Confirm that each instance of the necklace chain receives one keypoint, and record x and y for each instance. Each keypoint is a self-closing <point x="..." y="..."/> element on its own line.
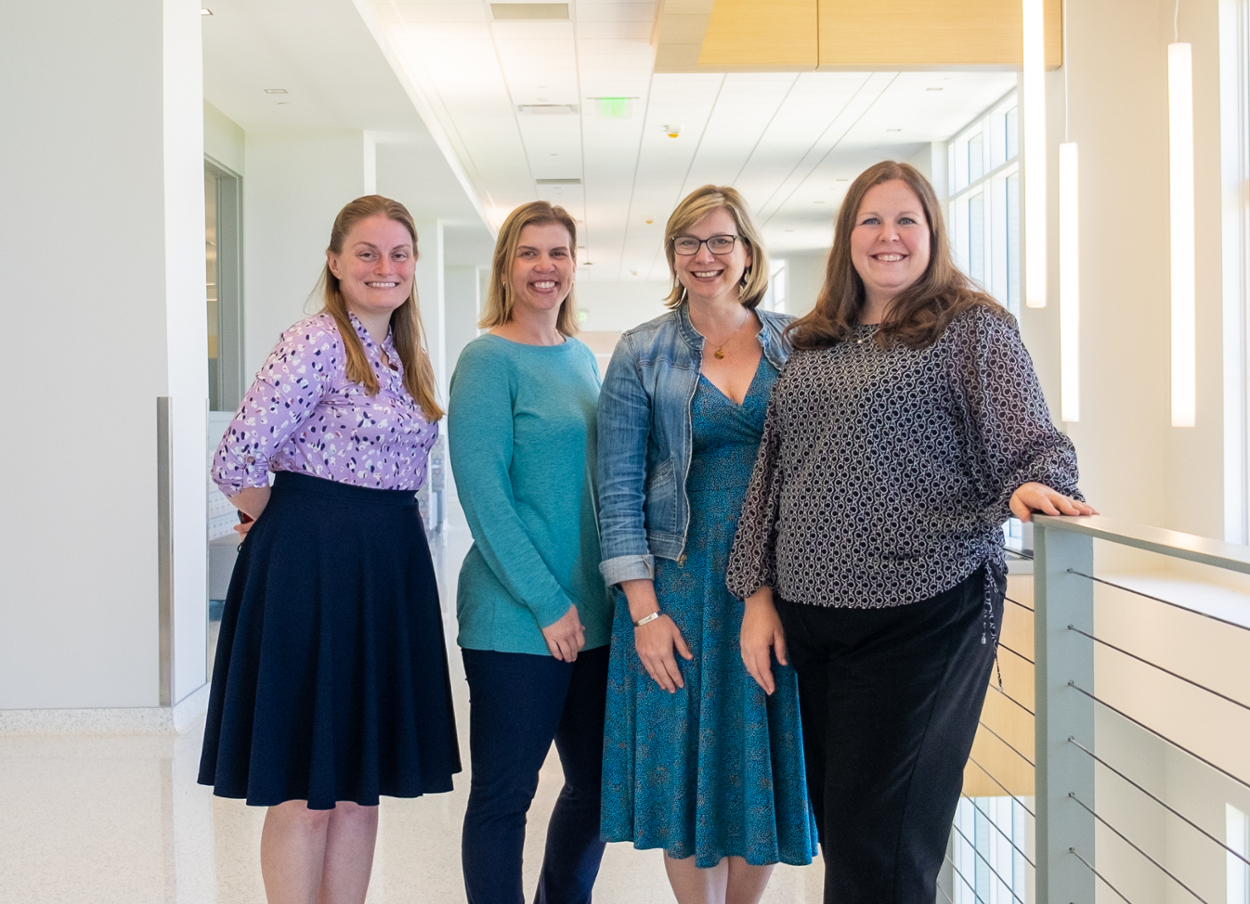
<point x="719" y="352"/>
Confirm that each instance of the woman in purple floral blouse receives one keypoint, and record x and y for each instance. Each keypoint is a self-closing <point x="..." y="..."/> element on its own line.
<point x="331" y="687"/>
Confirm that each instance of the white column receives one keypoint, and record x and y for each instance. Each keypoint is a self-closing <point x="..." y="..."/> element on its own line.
<point x="102" y="249"/>
<point x="186" y="337"/>
<point x="432" y="293"/>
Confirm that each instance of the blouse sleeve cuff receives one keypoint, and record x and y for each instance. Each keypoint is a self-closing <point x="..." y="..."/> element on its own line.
<point x="627" y="568"/>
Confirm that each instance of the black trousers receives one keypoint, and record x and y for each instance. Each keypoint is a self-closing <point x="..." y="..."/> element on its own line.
<point x="890" y="700"/>
<point x="518" y="704"/>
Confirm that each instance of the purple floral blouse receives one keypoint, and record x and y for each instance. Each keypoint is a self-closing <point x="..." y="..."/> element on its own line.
<point x="302" y="414"/>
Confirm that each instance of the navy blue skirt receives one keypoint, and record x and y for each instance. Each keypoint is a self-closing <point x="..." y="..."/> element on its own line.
<point x="331" y="675"/>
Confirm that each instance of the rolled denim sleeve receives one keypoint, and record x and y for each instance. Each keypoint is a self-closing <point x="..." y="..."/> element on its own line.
<point x="624" y="420"/>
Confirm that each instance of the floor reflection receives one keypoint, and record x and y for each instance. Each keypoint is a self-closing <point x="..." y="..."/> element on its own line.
<point x="121" y="819"/>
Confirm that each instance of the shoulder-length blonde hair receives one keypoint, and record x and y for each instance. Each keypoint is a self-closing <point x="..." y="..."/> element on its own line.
<point x="920" y="313"/>
<point x="694" y="207"/>
<point x="406" y="330"/>
<point x="500" y="297"/>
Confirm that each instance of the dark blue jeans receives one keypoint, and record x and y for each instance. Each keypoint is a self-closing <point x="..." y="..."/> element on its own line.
<point x="518" y="704"/>
<point x="890" y="700"/>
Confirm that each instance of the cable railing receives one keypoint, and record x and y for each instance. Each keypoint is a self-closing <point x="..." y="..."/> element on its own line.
<point x="1114" y="779"/>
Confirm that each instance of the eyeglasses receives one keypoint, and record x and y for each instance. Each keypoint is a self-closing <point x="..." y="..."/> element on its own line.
<point x="686" y="245"/>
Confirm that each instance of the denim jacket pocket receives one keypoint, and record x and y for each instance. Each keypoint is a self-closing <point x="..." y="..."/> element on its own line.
<point x="661" y="506"/>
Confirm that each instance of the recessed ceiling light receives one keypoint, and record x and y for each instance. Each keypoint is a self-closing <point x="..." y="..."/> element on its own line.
<point x="505" y="11"/>
<point x="547" y="109"/>
<point x="276" y="91"/>
<point x="567" y="181"/>
<point x="841" y="180"/>
<point x="894" y="130"/>
<point x="933" y="89"/>
<point x="205" y="12"/>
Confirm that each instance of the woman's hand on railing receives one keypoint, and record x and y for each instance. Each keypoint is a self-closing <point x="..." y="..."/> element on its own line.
<point x="1037" y="497"/>
<point x="762" y="635"/>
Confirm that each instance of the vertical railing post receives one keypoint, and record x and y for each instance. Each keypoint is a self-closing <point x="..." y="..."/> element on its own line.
<point x="1063" y="658"/>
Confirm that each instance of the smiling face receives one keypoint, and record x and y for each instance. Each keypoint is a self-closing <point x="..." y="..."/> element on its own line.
<point x="375" y="269"/>
<point x="713" y="277"/>
<point x="541" y="274"/>
<point x="889" y="244"/>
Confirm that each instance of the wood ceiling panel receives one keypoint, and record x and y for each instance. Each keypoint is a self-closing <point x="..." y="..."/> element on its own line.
<point x="759" y="35"/>
<point x="931" y="34"/>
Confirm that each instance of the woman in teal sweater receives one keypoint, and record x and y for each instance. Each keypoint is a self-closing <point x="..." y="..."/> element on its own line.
<point x="534" y="614"/>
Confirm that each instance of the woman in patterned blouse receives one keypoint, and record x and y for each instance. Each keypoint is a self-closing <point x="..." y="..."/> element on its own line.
<point x="905" y="429"/>
<point x="330" y="686"/>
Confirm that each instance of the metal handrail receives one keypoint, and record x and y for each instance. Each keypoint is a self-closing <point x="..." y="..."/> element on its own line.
<point x="1064" y="577"/>
<point x="1191" y="547"/>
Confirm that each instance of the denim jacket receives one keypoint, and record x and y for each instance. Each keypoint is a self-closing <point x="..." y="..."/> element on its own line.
<point x="645" y="439"/>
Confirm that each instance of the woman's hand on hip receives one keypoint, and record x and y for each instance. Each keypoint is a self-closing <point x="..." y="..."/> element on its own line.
<point x="655" y="642"/>
<point x="1037" y="497"/>
<point x="566" y="636"/>
<point x="762" y="635"/>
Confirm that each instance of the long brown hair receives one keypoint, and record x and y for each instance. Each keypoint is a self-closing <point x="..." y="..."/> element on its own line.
<point x="919" y="314"/>
<point x="406" y="330"/>
<point x="694" y="207"/>
<point x="499" y="297"/>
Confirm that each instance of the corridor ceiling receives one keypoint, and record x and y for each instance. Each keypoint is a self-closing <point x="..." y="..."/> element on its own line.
<point x="573" y="111"/>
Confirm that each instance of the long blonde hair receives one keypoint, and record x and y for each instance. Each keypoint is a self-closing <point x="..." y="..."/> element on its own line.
<point x="499" y="297"/>
<point x="406" y="330"/>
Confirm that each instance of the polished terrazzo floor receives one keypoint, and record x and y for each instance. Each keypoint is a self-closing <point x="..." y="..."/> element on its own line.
<point x="106" y="819"/>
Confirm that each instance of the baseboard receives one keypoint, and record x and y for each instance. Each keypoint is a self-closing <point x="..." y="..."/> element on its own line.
<point x="141" y="720"/>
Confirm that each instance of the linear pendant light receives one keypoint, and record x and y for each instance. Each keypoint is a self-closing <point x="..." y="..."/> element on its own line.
<point x="1181" y="181"/>
<point x="1034" y="82"/>
<point x="1069" y="283"/>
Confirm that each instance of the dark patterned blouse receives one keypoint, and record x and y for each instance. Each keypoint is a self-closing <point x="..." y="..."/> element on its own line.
<point x="884" y="474"/>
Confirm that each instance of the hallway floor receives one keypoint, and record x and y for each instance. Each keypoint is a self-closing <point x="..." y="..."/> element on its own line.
<point x="107" y="819"/>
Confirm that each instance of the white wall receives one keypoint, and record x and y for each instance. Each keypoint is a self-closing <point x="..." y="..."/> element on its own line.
<point x="1134" y="464"/>
<point x="618" y="306"/>
<point x="102" y="168"/>
<point x="462" y="302"/>
<point x="805" y="274"/>
<point x="296" y="181"/>
<point x="224" y="139"/>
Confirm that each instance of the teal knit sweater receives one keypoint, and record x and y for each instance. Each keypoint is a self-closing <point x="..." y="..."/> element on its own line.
<point x="521" y="428"/>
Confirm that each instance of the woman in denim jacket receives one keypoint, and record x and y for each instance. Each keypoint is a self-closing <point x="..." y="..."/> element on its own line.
<point x="699" y="759"/>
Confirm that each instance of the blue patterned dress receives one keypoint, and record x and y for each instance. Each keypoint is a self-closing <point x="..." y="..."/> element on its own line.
<point x="716" y="769"/>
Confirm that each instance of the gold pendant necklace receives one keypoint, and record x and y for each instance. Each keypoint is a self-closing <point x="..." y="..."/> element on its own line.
<point x="719" y="353"/>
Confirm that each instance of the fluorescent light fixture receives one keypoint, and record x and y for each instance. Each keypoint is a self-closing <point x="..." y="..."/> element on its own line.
<point x="1181" y="181"/>
<point x="1034" y="83"/>
<point x="1069" y="283"/>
